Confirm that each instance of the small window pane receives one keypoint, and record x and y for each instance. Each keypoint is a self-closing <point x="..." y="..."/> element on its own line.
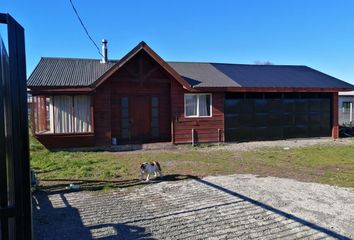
<point x="125" y="117"/>
<point x="155" y="122"/>
<point x="43" y="114"/>
<point x="63" y="117"/>
<point x="346" y="107"/>
<point x="125" y="113"/>
<point x="82" y="118"/>
<point x="125" y="133"/>
<point x="155" y="132"/>
<point x="155" y="112"/>
<point x="154" y="102"/>
<point x="204" y="105"/>
<point x="191" y="105"/>
<point x="125" y="123"/>
<point x="125" y="102"/>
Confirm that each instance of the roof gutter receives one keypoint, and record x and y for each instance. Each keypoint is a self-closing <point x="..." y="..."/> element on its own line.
<point x="270" y="89"/>
<point x="59" y="90"/>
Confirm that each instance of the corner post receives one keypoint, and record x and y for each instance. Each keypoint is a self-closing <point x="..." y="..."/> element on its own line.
<point x="193" y="137"/>
<point x="335" y="125"/>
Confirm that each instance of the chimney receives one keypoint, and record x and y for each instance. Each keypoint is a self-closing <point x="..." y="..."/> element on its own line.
<point x="104" y="51"/>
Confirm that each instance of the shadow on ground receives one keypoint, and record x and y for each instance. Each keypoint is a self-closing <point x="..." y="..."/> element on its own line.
<point x="294" y="218"/>
<point x="54" y="186"/>
<point x="69" y="224"/>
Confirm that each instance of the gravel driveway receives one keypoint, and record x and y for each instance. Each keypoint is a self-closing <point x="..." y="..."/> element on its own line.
<point x="225" y="207"/>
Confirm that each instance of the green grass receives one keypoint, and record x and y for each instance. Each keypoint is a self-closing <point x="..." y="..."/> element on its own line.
<point x="74" y="165"/>
<point x="331" y="164"/>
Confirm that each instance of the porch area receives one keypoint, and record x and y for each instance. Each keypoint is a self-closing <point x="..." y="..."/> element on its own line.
<point x="64" y="119"/>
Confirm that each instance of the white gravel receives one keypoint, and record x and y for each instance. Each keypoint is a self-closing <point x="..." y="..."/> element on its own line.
<point x="328" y="206"/>
<point x="291" y="143"/>
<point x="243" y="146"/>
<point x="223" y="207"/>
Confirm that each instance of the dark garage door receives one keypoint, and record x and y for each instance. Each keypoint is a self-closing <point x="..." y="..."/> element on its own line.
<point x="270" y="116"/>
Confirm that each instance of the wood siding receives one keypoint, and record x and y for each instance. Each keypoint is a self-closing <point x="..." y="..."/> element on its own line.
<point x="141" y="76"/>
<point x="66" y="140"/>
<point x="206" y="128"/>
<point x="102" y="115"/>
<point x="126" y="89"/>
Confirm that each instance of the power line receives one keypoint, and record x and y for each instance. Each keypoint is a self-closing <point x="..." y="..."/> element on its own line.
<point x="83" y="25"/>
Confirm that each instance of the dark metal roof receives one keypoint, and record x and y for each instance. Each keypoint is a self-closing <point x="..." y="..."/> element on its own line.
<point x="202" y="75"/>
<point x="67" y="72"/>
<point x="255" y="76"/>
<point x="71" y="72"/>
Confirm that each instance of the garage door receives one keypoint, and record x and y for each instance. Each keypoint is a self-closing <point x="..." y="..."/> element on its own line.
<point x="271" y="116"/>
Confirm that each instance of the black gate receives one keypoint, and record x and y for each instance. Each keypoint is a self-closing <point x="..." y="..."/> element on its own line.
<point x="272" y="116"/>
<point x="15" y="194"/>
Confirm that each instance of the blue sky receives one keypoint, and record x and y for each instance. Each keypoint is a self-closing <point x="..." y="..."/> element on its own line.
<point x="317" y="33"/>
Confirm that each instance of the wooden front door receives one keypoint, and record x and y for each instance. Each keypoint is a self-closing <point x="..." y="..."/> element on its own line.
<point x="140" y="118"/>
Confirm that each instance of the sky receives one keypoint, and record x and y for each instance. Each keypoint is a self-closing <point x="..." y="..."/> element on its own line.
<point x="316" y="33"/>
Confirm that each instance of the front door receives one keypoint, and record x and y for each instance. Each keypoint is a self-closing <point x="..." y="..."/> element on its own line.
<point x="140" y="118"/>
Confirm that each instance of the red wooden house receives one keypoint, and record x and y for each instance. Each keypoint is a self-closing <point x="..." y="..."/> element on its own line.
<point x="142" y="98"/>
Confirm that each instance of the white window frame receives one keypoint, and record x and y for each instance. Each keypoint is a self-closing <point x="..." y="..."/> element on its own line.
<point x="198" y="94"/>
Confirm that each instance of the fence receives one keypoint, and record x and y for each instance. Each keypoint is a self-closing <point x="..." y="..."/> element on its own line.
<point x="15" y="192"/>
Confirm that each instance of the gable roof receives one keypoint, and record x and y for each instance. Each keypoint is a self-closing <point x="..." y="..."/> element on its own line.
<point x="76" y="72"/>
<point x="142" y="46"/>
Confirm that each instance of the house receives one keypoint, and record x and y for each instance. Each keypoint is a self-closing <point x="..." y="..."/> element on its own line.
<point x="345" y="104"/>
<point x="29" y="103"/>
<point x="142" y="98"/>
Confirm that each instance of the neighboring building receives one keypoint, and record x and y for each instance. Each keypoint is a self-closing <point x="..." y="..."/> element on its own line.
<point x="345" y="104"/>
<point x="142" y="98"/>
<point x="29" y="102"/>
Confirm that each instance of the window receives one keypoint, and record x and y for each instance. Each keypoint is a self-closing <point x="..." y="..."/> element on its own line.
<point x="82" y="113"/>
<point x="155" y="117"/>
<point x="62" y="114"/>
<point x="346" y="106"/>
<point x="197" y="105"/>
<point x="125" y="117"/>
<point x="42" y="107"/>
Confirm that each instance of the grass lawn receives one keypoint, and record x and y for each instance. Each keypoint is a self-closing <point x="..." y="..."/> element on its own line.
<point x="332" y="164"/>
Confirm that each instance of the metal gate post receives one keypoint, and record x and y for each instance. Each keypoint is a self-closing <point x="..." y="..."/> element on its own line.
<point x="16" y="211"/>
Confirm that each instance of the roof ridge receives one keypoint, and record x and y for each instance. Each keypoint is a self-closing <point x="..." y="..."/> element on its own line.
<point x="188" y="62"/>
<point x="242" y="64"/>
<point x="73" y="58"/>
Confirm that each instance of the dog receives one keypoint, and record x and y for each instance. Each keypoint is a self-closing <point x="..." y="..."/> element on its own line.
<point x="150" y="168"/>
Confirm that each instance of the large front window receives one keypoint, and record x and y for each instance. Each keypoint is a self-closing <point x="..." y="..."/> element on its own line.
<point x="62" y="114"/>
<point x="197" y="105"/>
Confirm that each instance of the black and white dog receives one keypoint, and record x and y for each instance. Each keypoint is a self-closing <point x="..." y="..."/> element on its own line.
<point x="149" y="169"/>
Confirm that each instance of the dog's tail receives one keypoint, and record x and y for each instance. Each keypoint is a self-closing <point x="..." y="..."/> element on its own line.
<point x="158" y="165"/>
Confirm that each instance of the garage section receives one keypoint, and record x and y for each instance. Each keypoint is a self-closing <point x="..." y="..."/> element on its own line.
<point x="273" y="116"/>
